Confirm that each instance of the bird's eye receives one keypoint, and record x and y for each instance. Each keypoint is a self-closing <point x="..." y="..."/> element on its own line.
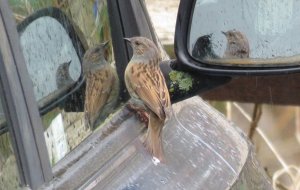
<point x="137" y="43"/>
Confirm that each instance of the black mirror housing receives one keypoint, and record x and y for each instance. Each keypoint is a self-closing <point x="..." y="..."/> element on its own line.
<point x="216" y="64"/>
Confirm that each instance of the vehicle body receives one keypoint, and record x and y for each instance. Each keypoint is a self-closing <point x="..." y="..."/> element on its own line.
<point x="203" y="149"/>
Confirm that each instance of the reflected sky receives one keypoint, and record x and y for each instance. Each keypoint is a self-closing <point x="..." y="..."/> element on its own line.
<point x="44" y="53"/>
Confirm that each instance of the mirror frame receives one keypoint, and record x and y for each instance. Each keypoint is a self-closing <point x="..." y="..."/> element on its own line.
<point x="187" y="62"/>
<point x="76" y="36"/>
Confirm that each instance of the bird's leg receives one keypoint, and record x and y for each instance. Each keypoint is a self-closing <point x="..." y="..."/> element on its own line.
<point x="142" y="115"/>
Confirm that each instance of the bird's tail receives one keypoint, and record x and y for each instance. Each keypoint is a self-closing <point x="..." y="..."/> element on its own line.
<point x="153" y="140"/>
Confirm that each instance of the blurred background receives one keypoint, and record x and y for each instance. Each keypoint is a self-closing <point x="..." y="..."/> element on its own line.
<point x="277" y="137"/>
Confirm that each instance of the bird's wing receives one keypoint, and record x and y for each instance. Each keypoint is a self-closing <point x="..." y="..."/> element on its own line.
<point x="149" y="84"/>
<point x="164" y="95"/>
<point x="98" y="88"/>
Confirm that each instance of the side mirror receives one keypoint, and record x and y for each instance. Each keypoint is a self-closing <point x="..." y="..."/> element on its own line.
<point x="53" y="52"/>
<point x="238" y="37"/>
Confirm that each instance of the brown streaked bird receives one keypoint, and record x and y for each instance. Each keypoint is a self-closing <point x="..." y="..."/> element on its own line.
<point x="102" y="85"/>
<point x="63" y="77"/>
<point x="237" y="45"/>
<point x="148" y="90"/>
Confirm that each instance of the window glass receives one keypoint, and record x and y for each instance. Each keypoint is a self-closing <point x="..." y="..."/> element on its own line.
<point x="9" y="178"/>
<point x="75" y="97"/>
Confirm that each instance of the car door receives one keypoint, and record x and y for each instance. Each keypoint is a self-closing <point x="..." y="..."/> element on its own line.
<point x="52" y="146"/>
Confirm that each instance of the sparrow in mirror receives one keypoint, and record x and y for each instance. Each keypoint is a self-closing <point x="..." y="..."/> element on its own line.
<point x="148" y="90"/>
<point x="102" y="86"/>
<point x="63" y="77"/>
<point x="203" y="48"/>
<point x="237" y="45"/>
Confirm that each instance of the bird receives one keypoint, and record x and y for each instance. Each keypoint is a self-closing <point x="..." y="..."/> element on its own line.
<point x="203" y="48"/>
<point x="237" y="45"/>
<point x="102" y="86"/>
<point x="63" y="77"/>
<point x="148" y="90"/>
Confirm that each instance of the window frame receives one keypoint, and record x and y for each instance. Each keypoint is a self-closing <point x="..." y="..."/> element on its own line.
<point x="20" y="107"/>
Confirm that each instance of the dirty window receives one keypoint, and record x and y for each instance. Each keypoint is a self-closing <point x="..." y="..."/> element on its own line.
<point x="75" y="94"/>
<point x="9" y="177"/>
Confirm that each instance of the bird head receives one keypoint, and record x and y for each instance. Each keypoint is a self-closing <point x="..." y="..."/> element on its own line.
<point x="63" y="68"/>
<point x="95" y="56"/>
<point x="235" y="36"/>
<point x="237" y="44"/>
<point x="204" y="40"/>
<point x="203" y="47"/>
<point x="63" y="76"/>
<point x="143" y="47"/>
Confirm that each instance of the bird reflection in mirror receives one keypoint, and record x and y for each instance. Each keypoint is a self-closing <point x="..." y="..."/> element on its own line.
<point x="102" y="86"/>
<point x="148" y="90"/>
<point x="63" y="77"/>
<point x="203" y="48"/>
<point x="238" y="47"/>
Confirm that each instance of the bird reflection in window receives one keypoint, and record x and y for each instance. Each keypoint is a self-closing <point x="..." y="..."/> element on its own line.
<point x="102" y="86"/>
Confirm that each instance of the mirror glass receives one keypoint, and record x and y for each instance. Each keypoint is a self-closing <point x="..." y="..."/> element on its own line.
<point x="51" y="58"/>
<point x="245" y="32"/>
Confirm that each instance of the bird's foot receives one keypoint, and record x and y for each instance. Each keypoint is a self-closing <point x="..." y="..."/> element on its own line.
<point x="142" y="115"/>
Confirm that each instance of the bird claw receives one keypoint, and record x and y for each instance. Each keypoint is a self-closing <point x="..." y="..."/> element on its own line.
<point x="140" y="113"/>
<point x="143" y="116"/>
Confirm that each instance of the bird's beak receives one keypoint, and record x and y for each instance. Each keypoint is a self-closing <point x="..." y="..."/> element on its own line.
<point x="127" y="40"/>
<point x="225" y="33"/>
<point x="69" y="62"/>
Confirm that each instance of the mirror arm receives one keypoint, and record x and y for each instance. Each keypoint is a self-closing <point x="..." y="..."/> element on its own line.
<point x="184" y="84"/>
<point x="75" y="93"/>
